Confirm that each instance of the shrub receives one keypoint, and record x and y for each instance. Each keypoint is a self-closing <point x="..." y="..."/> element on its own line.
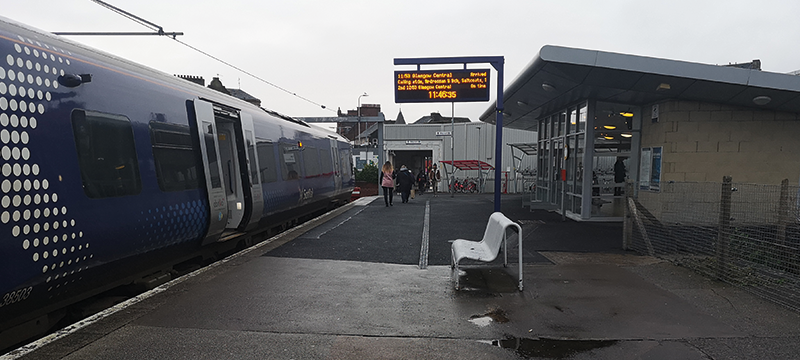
<point x="368" y="174"/>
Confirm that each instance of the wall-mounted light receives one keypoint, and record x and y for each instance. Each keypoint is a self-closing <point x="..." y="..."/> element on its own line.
<point x="607" y="137"/>
<point x="762" y="100"/>
<point x="626" y="135"/>
<point x="548" y="87"/>
<point x="662" y="87"/>
<point x="626" y="114"/>
<point x="609" y="127"/>
<point x="522" y="103"/>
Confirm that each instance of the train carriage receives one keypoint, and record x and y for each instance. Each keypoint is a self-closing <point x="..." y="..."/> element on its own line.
<point x="111" y="171"/>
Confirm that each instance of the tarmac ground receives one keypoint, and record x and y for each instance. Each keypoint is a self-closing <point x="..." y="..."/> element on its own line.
<point x="359" y="283"/>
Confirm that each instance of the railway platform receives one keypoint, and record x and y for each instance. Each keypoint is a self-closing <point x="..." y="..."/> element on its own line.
<point x="367" y="281"/>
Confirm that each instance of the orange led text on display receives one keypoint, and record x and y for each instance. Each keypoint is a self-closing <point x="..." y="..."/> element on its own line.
<point x="441" y="85"/>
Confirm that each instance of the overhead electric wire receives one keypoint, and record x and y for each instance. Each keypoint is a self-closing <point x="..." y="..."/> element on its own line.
<point x="128" y="15"/>
<point x="160" y="30"/>
<point x="251" y="74"/>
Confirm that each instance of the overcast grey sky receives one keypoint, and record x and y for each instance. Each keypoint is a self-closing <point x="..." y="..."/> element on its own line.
<point x="332" y="51"/>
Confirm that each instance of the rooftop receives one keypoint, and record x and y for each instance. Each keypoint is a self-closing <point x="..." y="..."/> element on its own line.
<point x="560" y="76"/>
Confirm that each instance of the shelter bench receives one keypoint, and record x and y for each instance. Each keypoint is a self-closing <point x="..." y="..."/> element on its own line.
<point x="488" y="248"/>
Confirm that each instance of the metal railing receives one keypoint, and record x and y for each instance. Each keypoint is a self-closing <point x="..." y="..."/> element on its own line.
<point x="744" y="234"/>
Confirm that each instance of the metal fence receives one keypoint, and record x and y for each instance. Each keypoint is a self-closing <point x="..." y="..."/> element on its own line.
<point x="743" y="234"/>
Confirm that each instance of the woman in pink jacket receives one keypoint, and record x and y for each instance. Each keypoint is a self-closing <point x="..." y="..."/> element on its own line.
<point x="387" y="182"/>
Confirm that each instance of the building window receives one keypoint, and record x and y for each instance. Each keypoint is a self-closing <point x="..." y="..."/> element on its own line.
<point x="106" y="154"/>
<point x="175" y="156"/>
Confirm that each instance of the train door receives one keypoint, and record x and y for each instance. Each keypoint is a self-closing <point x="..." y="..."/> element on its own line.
<point x="337" y="174"/>
<point x="257" y="196"/>
<point x="231" y="171"/>
<point x="208" y="139"/>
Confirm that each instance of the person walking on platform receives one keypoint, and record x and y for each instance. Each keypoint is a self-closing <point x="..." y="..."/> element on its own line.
<point x="387" y="182"/>
<point x="433" y="177"/>
<point x="619" y="176"/>
<point x="422" y="181"/>
<point x="405" y="181"/>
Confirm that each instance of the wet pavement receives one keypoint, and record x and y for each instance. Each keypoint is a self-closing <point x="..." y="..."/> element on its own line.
<point x="360" y="283"/>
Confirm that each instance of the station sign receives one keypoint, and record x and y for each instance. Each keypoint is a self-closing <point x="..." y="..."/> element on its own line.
<point x="463" y="85"/>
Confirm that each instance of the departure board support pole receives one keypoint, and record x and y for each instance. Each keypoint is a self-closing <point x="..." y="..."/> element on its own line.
<point x="453" y="145"/>
<point x="498" y="146"/>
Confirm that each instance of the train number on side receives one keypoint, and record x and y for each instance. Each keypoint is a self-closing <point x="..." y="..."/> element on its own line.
<point x="16" y="296"/>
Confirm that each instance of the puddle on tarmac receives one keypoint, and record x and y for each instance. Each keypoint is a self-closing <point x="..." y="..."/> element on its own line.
<point x="550" y="348"/>
<point x="482" y="321"/>
<point x="497" y="315"/>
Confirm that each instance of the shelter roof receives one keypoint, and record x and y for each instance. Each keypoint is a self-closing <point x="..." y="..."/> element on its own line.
<point x="469" y="164"/>
<point x="527" y="148"/>
<point x="560" y="76"/>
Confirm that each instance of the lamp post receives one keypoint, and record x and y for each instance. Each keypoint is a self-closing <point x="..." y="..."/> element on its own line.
<point x="358" y="109"/>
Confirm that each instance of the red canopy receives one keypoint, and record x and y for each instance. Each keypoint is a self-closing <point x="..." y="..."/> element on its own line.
<point x="469" y="164"/>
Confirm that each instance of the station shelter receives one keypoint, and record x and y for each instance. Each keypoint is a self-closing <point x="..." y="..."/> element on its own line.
<point x="603" y="119"/>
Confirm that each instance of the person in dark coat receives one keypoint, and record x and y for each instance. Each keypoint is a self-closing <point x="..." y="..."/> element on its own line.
<point x="405" y="181"/>
<point x="433" y="178"/>
<point x="422" y="181"/>
<point x="619" y="175"/>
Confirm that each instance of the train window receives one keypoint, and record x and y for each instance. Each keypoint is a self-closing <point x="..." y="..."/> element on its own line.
<point x="211" y="151"/>
<point x="174" y="155"/>
<point x="251" y="156"/>
<point x="326" y="162"/>
<point x="266" y="161"/>
<point x="289" y="161"/>
<point x="311" y="161"/>
<point x="106" y="154"/>
<point x="346" y="162"/>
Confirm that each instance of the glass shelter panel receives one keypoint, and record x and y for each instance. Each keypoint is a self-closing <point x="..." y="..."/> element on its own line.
<point x="591" y="142"/>
<point x="582" y="114"/>
<point x="612" y="151"/>
<point x="573" y="121"/>
<point x="580" y="150"/>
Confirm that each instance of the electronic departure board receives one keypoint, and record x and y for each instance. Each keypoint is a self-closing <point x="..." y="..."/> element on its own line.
<point x="441" y="85"/>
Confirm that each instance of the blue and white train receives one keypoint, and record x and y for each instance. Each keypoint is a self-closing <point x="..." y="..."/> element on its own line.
<point x="111" y="172"/>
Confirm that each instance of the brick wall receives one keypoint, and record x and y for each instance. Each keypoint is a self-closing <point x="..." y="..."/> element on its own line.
<point x="704" y="142"/>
